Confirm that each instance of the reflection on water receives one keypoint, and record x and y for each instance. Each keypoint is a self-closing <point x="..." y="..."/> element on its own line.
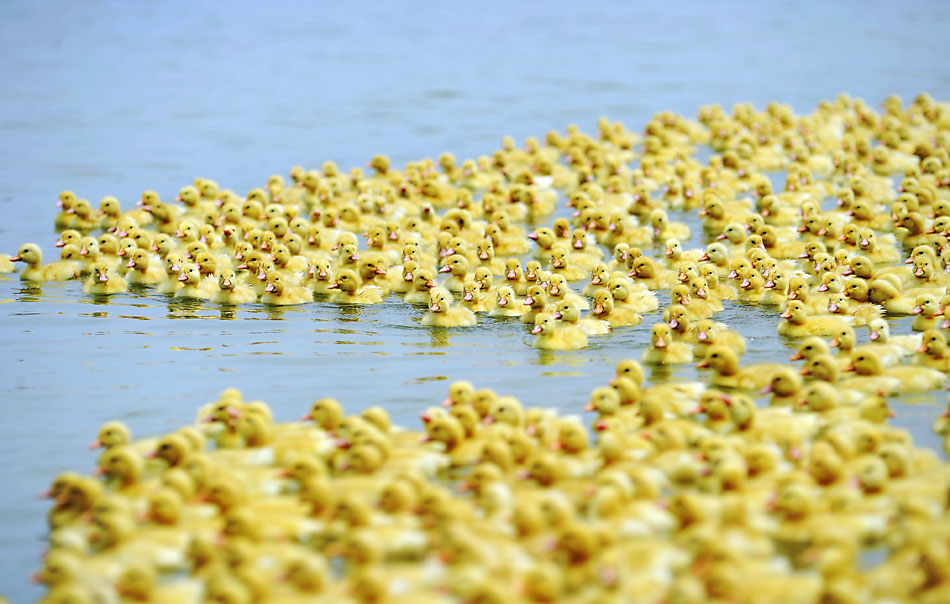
<point x="29" y="292"/>
<point x="439" y="337"/>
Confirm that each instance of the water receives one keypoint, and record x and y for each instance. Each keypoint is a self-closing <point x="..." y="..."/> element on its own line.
<point x="115" y="98"/>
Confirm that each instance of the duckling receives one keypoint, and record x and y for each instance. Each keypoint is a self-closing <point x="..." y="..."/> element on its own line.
<point x="867" y="362"/>
<point x="798" y="322"/>
<point x="551" y="336"/>
<point x="725" y="363"/>
<point x="561" y="265"/>
<point x="507" y="304"/>
<point x="514" y="276"/>
<point x="880" y="336"/>
<point x="319" y="276"/>
<point x="559" y="291"/>
<point x="457" y="266"/>
<point x="927" y="311"/>
<point x="474" y="299"/>
<point x="933" y="351"/>
<point x="143" y="270"/>
<point x="351" y="291"/>
<point x="104" y="282"/>
<point x="604" y="310"/>
<point x="31" y="254"/>
<point x="646" y="271"/>
<point x="231" y="291"/>
<point x="637" y="298"/>
<point x="278" y="292"/>
<point x="443" y="314"/>
<point x="568" y="313"/>
<point x="664" y="350"/>
<point x="710" y="333"/>
<point x="422" y="283"/>
<point x="859" y="313"/>
<point x="536" y="301"/>
<point x="194" y="285"/>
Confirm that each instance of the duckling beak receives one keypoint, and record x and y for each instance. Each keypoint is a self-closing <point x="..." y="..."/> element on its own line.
<point x="445" y="269"/>
<point x="917" y="310"/>
<point x="18" y="259"/>
<point x="103" y="277"/>
<point x="849" y="368"/>
<point x="95" y="444"/>
<point x="660" y="343"/>
<point x="767" y="390"/>
<point x="435" y="308"/>
<point x="702" y="336"/>
<point x="923" y="347"/>
<point x="598" y="309"/>
<point x="528" y="301"/>
<point x="874" y="336"/>
<point x="269" y="287"/>
<point x="796" y="357"/>
<point x="333" y="285"/>
<point x="512" y="274"/>
<point x="557" y="315"/>
<point x="786" y="315"/>
<point x="674" y="323"/>
<point x="536" y="330"/>
<point x="702" y="364"/>
<point x="130" y="264"/>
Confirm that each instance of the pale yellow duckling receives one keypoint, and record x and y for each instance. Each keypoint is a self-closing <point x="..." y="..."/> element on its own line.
<point x="799" y="322"/>
<point x="443" y="314"/>
<point x="194" y="285"/>
<point x="605" y="310"/>
<point x="280" y="293"/>
<point x="646" y="272"/>
<point x="880" y="337"/>
<point x="143" y="270"/>
<point x="102" y="281"/>
<point x="727" y="374"/>
<point x="474" y="299"/>
<point x="457" y="267"/>
<point x="634" y="297"/>
<point x="422" y="284"/>
<point x="562" y="265"/>
<point x="927" y="311"/>
<point x="663" y="350"/>
<point x="933" y="351"/>
<point x="867" y="362"/>
<point x="664" y="229"/>
<point x="551" y="336"/>
<point x="231" y="291"/>
<point x="567" y="313"/>
<point x="351" y="291"/>
<point x="710" y="333"/>
<point x="31" y="254"/>
<point x="536" y="301"/>
<point x="507" y="304"/>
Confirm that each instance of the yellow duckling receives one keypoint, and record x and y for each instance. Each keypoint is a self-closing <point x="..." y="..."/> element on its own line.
<point x="231" y="291"/>
<point x="561" y="265"/>
<point x="351" y="292"/>
<point x="474" y="299"/>
<point x="443" y="314"/>
<point x="867" y="362"/>
<point x="664" y="229"/>
<point x="31" y="254"/>
<point x="507" y="304"/>
<point x="727" y="374"/>
<point x="536" y="301"/>
<point x="710" y="333"/>
<point x="857" y="312"/>
<point x="102" y="281"/>
<point x="457" y="266"/>
<point x="514" y="276"/>
<point x="604" y="310"/>
<point x="551" y="336"/>
<point x="567" y="313"/>
<point x="798" y="322"/>
<point x="646" y="271"/>
<point x="194" y="285"/>
<point x="143" y="270"/>
<point x="627" y="295"/>
<point x="422" y="283"/>
<point x="664" y="350"/>
<point x="933" y="351"/>
<point x="280" y="293"/>
<point x="927" y="311"/>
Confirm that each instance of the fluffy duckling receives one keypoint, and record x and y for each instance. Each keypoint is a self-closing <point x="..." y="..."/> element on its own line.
<point x="912" y="379"/>
<point x="927" y="311"/>
<point x="569" y="314"/>
<point x="507" y="304"/>
<point x="604" y="310"/>
<point x="278" y="292"/>
<point x="514" y="276"/>
<point x="664" y="350"/>
<point x="351" y="292"/>
<point x="933" y="351"/>
<point x="422" y="284"/>
<point x="664" y="229"/>
<point x="561" y="265"/>
<point x="31" y="254"/>
<point x="457" y="267"/>
<point x="880" y="336"/>
<point x="727" y="374"/>
<point x="102" y="281"/>
<point x="536" y="301"/>
<point x="710" y="333"/>
<point x="474" y="299"/>
<point x="551" y="336"/>
<point x="143" y="270"/>
<point x="634" y="297"/>
<point x="798" y="322"/>
<point x="646" y="271"/>
<point x="194" y="285"/>
<point x="443" y="314"/>
<point x="231" y="291"/>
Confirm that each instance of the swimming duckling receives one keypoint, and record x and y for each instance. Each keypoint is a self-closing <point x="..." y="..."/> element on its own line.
<point x="231" y="291"/>
<point x="194" y="285"/>
<point x="551" y="336"/>
<point x="568" y="313"/>
<point x="604" y="310"/>
<point x="278" y="292"/>
<point x="351" y="291"/>
<point x="443" y="314"/>
<point x="103" y="282"/>
<point x="912" y="379"/>
<point x="798" y="322"/>
<point x="725" y="363"/>
<point x="422" y="283"/>
<point x="31" y="254"/>
<point x="663" y="350"/>
<point x="507" y="304"/>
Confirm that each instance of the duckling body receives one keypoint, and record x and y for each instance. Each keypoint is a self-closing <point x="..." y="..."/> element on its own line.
<point x="443" y="314"/>
<point x="104" y="282"/>
<point x="664" y="350"/>
<point x="551" y="336"/>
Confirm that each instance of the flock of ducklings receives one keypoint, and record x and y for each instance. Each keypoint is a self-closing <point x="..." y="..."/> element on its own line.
<point x="688" y="493"/>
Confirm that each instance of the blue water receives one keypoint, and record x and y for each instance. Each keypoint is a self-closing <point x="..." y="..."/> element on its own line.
<point x="112" y="98"/>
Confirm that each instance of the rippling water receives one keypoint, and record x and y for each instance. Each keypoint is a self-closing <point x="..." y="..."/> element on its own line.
<point x="114" y="98"/>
